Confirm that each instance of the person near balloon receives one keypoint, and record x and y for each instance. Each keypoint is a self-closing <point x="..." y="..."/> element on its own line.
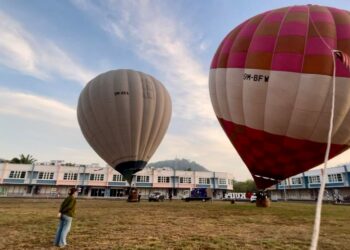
<point x="170" y="196"/>
<point x="66" y="214"/>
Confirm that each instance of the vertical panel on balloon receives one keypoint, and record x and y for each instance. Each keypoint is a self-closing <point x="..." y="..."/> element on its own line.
<point x="234" y="90"/>
<point x="149" y="106"/>
<point x="254" y="98"/>
<point x="311" y="98"/>
<point x="220" y="84"/>
<point x="212" y="92"/>
<point x="136" y="112"/>
<point x="280" y="100"/>
<point x="83" y="112"/>
<point x="164" y="115"/>
<point x="111" y="111"/>
<point x="121" y="120"/>
<point x="95" y="119"/>
<point x="157" y="105"/>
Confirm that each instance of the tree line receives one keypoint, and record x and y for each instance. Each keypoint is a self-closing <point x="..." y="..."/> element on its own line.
<point x="22" y="159"/>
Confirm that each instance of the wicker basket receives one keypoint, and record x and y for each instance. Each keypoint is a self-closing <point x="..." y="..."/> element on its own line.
<point x="133" y="195"/>
<point x="263" y="203"/>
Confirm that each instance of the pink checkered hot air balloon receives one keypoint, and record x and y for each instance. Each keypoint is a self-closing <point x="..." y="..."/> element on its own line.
<point x="270" y="86"/>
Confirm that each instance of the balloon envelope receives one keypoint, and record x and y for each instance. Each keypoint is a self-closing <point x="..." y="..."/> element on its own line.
<point x="124" y="115"/>
<point x="270" y="86"/>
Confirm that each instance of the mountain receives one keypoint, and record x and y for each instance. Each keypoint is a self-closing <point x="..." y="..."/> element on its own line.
<point x="178" y="164"/>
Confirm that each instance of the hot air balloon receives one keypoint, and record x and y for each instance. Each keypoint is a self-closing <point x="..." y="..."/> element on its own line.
<point x="271" y="86"/>
<point x="124" y="114"/>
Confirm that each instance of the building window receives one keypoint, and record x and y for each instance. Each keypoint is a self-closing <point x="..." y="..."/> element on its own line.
<point x="283" y="183"/>
<point x="314" y="179"/>
<point x="97" y="177"/>
<point x="118" y="177"/>
<point x="45" y="175"/>
<point x="222" y="181"/>
<point x="163" y="179"/>
<point x="296" y="181"/>
<point x="17" y="174"/>
<point x="142" y="178"/>
<point x="204" y="180"/>
<point x="186" y="180"/>
<point x="70" y="176"/>
<point x="335" y="178"/>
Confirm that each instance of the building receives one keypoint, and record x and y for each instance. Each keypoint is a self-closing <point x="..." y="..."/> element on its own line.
<point x="55" y="178"/>
<point x="305" y="186"/>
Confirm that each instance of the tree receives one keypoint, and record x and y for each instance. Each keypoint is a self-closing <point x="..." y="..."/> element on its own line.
<point x="244" y="186"/>
<point x="28" y="159"/>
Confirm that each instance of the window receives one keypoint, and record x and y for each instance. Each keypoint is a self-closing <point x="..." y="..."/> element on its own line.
<point x="185" y="180"/>
<point x="70" y="176"/>
<point x="118" y="177"/>
<point x="163" y="179"/>
<point x="222" y="181"/>
<point x="97" y="177"/>
<point x="283" y="183"/>
<point x="335" y="178"/>
<point x="17" y="174"/>
<point x="204" y="180"/>
<point x="296" y="181"/>
<point x="141" y="178"/>
<point x="97" y="192"/>
<point x="314" y="179"/>
<point x="45" y="175"/>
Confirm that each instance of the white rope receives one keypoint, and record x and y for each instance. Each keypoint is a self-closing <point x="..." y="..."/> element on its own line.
<point x="317" y="222"/>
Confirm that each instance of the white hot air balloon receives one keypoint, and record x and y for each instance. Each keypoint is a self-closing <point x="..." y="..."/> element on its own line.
<point x="124" y="115"/>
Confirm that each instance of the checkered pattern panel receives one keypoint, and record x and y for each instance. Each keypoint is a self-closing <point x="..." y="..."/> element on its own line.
<point x="276" y="157"/>
<point x="292" y="39"/>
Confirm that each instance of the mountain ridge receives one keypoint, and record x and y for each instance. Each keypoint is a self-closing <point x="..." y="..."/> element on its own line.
<point x="178" y="164"/>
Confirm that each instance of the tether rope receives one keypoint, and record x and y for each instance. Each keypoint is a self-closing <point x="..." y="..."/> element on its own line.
<point x="317" y="222"/>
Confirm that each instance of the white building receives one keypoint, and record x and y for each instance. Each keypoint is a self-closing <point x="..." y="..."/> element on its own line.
<point x="305" y="186"/>
<point x="54" y="180"/>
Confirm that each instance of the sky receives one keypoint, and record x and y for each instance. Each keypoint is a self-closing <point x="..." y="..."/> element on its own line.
<point x="49" y="50"/>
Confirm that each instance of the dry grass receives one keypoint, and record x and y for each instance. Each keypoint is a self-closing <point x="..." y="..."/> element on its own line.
<point x="108" y="224"/>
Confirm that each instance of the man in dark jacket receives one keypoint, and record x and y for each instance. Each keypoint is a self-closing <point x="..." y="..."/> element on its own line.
<point x="66" y="214"/>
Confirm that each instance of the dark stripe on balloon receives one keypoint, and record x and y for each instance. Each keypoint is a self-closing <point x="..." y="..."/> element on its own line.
<point x="275" y="157"/>
<point x="129" y="168"/>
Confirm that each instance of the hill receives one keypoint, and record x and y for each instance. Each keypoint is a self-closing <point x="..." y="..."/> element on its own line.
<point x="178" y="164"/>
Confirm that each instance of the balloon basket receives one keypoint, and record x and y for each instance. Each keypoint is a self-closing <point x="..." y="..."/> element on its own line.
<point x="133" y="195"/>
<point x="263" y="202"/>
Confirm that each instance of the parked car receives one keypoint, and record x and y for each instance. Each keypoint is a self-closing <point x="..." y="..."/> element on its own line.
<point x="199" y="194"/>
<point x="156" y="196"/>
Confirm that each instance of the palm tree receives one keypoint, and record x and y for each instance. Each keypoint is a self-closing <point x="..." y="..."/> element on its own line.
<point x="28" y="159"/>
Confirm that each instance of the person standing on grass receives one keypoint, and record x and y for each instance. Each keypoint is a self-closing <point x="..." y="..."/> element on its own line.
<point x="66" y="214"/>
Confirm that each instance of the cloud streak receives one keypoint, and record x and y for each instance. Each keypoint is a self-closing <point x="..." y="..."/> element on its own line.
<point x="35" y="56"/>
<point x="37" y="108"/>
<point x="160" y="39"/>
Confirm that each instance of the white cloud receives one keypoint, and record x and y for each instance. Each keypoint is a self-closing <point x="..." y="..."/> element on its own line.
<point x="35" y="56"/>
<point x="37" y="108"/>
<point x="159" y="38"/>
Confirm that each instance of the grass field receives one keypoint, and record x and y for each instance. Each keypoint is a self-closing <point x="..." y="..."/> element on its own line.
<point x="110" y="224"/>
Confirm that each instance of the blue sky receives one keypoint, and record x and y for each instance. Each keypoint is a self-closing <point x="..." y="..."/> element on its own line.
<point x="49" y="50"/>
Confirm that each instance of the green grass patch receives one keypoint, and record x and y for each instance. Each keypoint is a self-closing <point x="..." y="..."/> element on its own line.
<point x="111" y="224"/>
